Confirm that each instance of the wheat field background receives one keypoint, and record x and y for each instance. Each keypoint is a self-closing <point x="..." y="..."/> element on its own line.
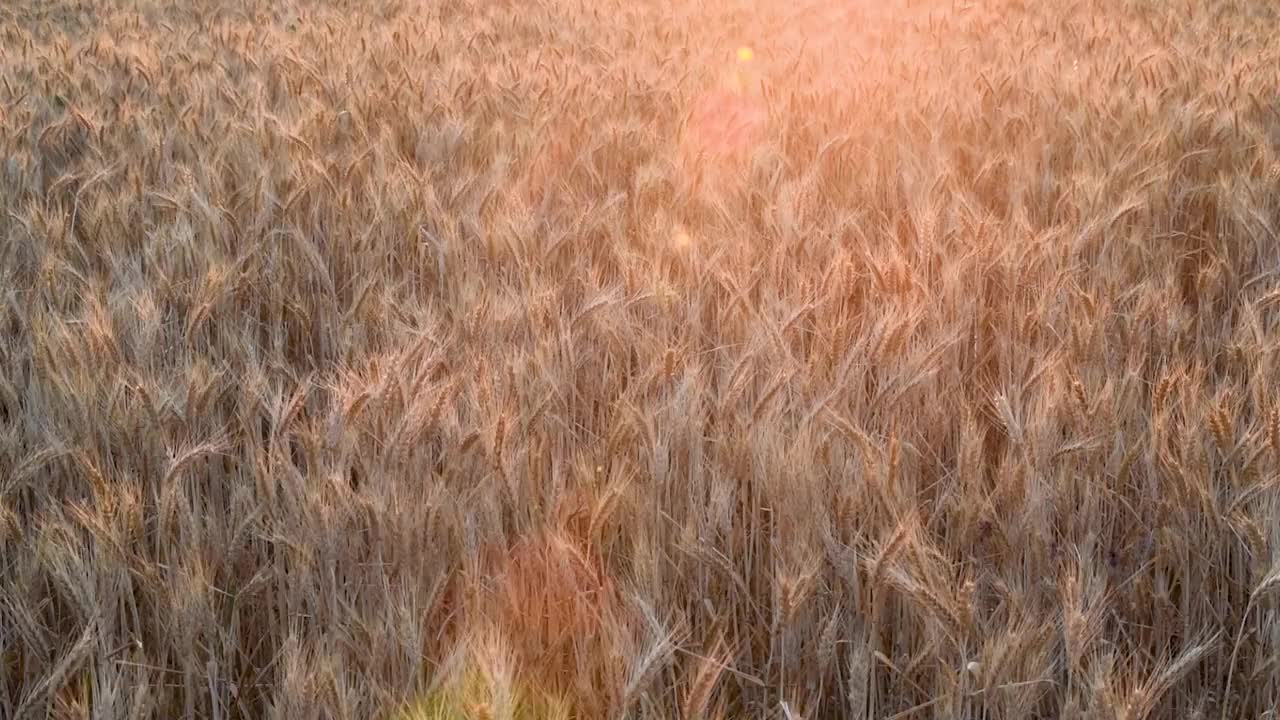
<point x="611" y="359"/>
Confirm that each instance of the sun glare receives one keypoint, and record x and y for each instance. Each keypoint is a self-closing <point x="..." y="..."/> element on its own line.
<point x="726" y="123"/>
<point x="476" y="360"/>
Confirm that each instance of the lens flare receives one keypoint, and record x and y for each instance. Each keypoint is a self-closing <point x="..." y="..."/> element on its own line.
<point x="680" y="239"/>
<point x="726" y="123"/>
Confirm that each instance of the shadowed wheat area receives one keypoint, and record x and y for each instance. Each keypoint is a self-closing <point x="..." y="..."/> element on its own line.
<point x="606" y="359"/>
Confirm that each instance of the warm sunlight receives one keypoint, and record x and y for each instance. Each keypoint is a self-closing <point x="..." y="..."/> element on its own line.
<point x="639" y="360"/>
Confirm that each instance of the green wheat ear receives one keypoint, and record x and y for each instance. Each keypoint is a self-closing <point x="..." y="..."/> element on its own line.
<point x="472" y="698"/>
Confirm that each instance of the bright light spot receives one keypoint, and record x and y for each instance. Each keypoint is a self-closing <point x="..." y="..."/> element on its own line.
<point x="680" y="239"/>
<point x="745" y="54"/>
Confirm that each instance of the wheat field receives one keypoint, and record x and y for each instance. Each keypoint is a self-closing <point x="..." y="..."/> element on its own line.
<point x="493" y="360"/>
